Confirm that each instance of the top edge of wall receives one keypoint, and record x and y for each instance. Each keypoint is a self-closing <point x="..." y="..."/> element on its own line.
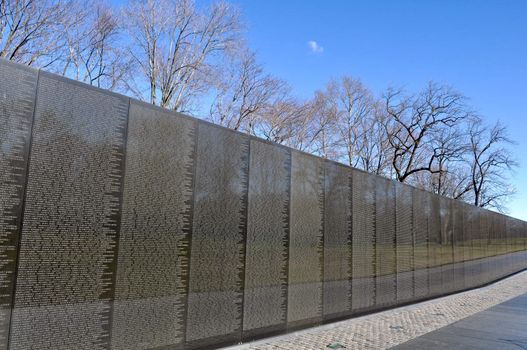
<point x="59" y="77"/>
<point x="206" y="122"/>
<point x="16" y="65"/>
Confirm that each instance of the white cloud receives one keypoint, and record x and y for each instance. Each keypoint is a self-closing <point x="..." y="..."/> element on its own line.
<point x="315" y="47"/>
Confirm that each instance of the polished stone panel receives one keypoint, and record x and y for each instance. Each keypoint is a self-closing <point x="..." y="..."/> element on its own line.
<point x="306" y="240"/>
<point x="218" y="237"/>
<point x="152" y="270"/>
<point x="405" y="242"/>
<point x="458" y="250"/>
<point x="265" y="299"/>
<point x="474" y="270"/>
<point x="478" y="248"/>
<point x="337" y="240"/>
<point x="363" y="241"/>
<point x="485" y="223"/>
<point x="421" y="254"/>
<point x="435" y="250"/>
<point x="17" y="97"/>
<point x="447" y="245"/>
<point x="493" y="246"/>
<point x="68" y="249"/>
<point x="467" y="245"/>
<point x="385" y="238"/>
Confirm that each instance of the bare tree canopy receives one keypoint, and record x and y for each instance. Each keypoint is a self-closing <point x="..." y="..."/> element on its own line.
<point x="415" y="121"/>
<point x="93" y="45"/>
<point x="353" y="115"/>
<point x="192" y="58"/>
<point x="244" y="94"/>
<point x="490" y="162"/>
<point x="32" y="31"/>
<point x="174" y="46"/>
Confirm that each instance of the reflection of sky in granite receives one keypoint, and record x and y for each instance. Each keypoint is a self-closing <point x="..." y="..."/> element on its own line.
<point x="214" y="237"/>
<point x="337" y="240"/>
<point x="265" y="298"/>
<point x="72" y="202"/>
<point x="156" y="217"/>
<point x="305" y="239"/>
<point x="16" y="108"/>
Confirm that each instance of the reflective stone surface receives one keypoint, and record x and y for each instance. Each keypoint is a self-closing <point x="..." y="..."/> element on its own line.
<point x="337" y="240"/>
<point x="447" y="247"/>
<point x="434" y="247"/>
<point x="126" y="226"/>
<point x="266" y="268"/>
<point x="385" y="244"/>
<point x="405" y="242"/>
<point x="363" y="241"/>
<point x="218" y="237"/>
<point x="306" y="240"/>
<point x="421" y="243"/>
<point x="68" y="246"/>
<point x="17" y="97"/>
<point x="154" y="241"/>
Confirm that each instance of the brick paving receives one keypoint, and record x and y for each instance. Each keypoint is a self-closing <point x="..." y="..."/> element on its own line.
<point x="386" y="329"/>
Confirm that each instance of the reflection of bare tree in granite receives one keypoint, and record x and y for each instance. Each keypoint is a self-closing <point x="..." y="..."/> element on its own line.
<point x="405" y="240"/>
<point x="421" y="243"/>
<point x="216" y="266"/>
<point x="363" y="241"/>
<point x="447" y="251"/>
<point x="154" y="241"/>
<point x="16" y="108"/>
<point x="337" y="240"/>
<point x="265" y="298"/>
<point x="72" y="202"/>
<point x="305" y="242"/>
<point x="385" y="243"/>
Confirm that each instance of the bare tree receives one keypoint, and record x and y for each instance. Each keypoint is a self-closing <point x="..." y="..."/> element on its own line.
<point x="245" y="94"/>
<point x="304" y="129"/>
<point x="282" y="121"/>
<point x="33" y="31"/>
<point x="94" y="40"/>
<point x="347" y="103"/>
<point x="175" y="47"/>
<point x="449" y="176"/>
<point x="490" y="161"/>
<point x="322" y="117"/>
<point x="346" y="123"/>
<point x="358" y="119"/>
<point x="412" y="123"/>
<point x="374" y="150"/>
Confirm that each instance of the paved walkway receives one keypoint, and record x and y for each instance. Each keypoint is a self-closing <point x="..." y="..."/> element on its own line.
<point x="393" y="327"/>
<point x="503" y="326"/>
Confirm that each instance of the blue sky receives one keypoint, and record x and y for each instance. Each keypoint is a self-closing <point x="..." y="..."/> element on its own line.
<point x="477" y="46"/>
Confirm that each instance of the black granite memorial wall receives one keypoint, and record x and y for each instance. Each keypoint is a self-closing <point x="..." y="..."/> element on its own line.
<point x="337" y="241"/>
<point x="127" y="226"/>
<point x="154" y="241"/>
<point x="17" y="96"/>
<point x="266" y="261"/>
<point x="304" y="300"/>
<point x="67" y="258"/>
<point x="385" y="244"/>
